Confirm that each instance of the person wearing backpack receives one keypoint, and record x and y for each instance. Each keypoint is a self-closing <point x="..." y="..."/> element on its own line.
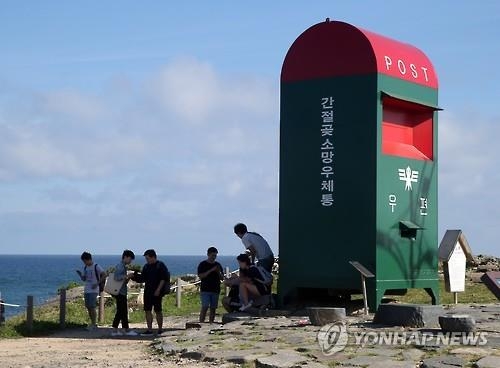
<point x="211" y="274"/>
<point x="256" y="245"/>
<point x="252" y="282"/>
<point x="94" y="276"/>
<point x="156" y="280"/>
<point x="121" y="314"/>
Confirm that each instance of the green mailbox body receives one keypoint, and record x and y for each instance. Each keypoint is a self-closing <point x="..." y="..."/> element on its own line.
<point x="358" y="165"/>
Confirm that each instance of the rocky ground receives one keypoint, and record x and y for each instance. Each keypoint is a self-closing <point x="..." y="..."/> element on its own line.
<point x="292" y="341"/>
<point x="484" y="263"/>
<point x="277" y="341"/>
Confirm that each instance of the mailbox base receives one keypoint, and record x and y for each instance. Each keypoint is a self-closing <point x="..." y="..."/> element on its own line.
<point x="336" y="297"/>
<point x="375" y="296"/>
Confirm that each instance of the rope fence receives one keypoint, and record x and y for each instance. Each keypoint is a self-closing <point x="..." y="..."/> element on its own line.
<point x="29" y="310"/>
<point x="30" y="305"/>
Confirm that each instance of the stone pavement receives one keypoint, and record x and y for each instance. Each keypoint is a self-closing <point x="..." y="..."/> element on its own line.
<point x="284" y="342"/>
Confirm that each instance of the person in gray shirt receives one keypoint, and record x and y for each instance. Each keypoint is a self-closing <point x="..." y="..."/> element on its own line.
<point x="257" y="246"/>
<point x="121" y="314"/>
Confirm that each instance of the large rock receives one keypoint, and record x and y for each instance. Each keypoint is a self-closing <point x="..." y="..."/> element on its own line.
<point x="281" y="360"/>
<point x="491" y="361"/>
<point x="408" y="315"/>
<point x="393" y="364"/>
<point x="457" y="323"/>
<point x="171" y="348"/>
<point x="471" y="350"/>
<point x="366" y="360"/>
<point x="193" y="355"/>
<point x="412" y="354"/>
<point x="443" y="362"/>
<point x="244" y="358"/>
<point x="320" y="316"/>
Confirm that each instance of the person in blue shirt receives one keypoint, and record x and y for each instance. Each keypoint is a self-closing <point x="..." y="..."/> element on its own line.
<point x="121" y="314"/>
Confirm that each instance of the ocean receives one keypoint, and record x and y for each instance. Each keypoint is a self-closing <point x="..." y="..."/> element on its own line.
<point x="42" y="275"/>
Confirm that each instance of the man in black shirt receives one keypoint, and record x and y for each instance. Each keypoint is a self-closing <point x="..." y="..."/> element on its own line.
<point x="211" y="274"/>
<point x="155" y="276"/>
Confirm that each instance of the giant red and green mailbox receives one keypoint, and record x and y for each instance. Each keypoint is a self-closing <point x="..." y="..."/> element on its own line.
<point x="358" y="166"/>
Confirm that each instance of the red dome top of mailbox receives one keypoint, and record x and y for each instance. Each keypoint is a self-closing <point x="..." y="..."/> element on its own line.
<point x="334" y="48"/>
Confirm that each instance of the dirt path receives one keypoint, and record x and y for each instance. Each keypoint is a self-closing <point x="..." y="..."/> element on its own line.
<point x="79" y="348"/>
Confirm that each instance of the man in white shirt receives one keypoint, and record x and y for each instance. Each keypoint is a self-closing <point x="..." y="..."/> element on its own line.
<point x="94" y="276"/>
<point x="257" y="246"/>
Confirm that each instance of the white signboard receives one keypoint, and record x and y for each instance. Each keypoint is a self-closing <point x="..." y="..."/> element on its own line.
<point x="456" y="270"/>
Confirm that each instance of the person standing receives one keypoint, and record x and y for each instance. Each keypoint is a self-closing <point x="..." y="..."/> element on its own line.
<point x="156" y="279"/>
<point x="211" y="274"/>
<point x="257" y="246"/>
<point x="92" y="275"/>
<point x="121" y="314"/>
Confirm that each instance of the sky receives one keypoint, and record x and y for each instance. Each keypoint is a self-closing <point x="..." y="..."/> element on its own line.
<point x="138" y="125"/>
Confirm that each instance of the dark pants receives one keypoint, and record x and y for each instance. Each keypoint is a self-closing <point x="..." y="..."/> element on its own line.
<point x="121" y="311"/>
<point x="266" y="263"/>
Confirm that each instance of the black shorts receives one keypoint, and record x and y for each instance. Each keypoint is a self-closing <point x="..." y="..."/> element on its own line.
<point x="263" y="289"/>
<point x="151" y="301"/>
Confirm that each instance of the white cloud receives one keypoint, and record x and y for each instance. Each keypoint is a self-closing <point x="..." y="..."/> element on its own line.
<point x="468" y="152"/>
<point x="32" y="151"/>
<point x="73" y="105"/>
<point x="189" y="89"/>
<point x="180" y="208"/>
<point x="469" y="178"/>
<point x="234" y="188"/>
<point x="189" y="149"/>
<point x="195" y="151"/>
<point x="193" y="92"/>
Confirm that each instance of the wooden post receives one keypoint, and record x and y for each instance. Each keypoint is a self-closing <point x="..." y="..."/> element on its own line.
<point x="178" y="293"/>
<point x="228" y="275"/>
<point x="364" y="272"/>
<point x="29" y="314"/>
<point x="62" y="308"/>
<point x="365" y="298"/>
<point x="455" y="297"/>
<point x="102" y="301"/>
<point x="2" y="311"/>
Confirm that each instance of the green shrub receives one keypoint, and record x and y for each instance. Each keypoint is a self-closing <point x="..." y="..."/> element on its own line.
<point x="70" y="285"/>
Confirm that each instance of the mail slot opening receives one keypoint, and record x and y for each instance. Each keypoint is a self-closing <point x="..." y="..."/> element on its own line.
<point x="408" y="229"/>
<point x="407" y="129"/>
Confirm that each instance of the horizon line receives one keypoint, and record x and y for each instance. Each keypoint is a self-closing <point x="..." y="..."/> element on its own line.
<point x="117" y="255"/>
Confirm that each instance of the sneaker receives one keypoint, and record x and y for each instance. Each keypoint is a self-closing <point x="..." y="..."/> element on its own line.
<point x="131" y="333"/>
<point x="160" y="331"/>
<point x="147" y="333"/>
<point x="246" y="306"/>
<point x="116" y="333"/>
<point x="91" y="327"/>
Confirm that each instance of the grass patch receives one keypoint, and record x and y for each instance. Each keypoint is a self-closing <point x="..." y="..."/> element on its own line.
<point x="474" y="293"/>
<point x="46" y="317"/>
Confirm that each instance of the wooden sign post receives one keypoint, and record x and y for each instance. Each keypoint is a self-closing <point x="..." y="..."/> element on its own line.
<point x="364" y="273"/>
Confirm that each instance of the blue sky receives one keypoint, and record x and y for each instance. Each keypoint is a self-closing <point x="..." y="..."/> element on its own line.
<point x="128" y="124"/>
